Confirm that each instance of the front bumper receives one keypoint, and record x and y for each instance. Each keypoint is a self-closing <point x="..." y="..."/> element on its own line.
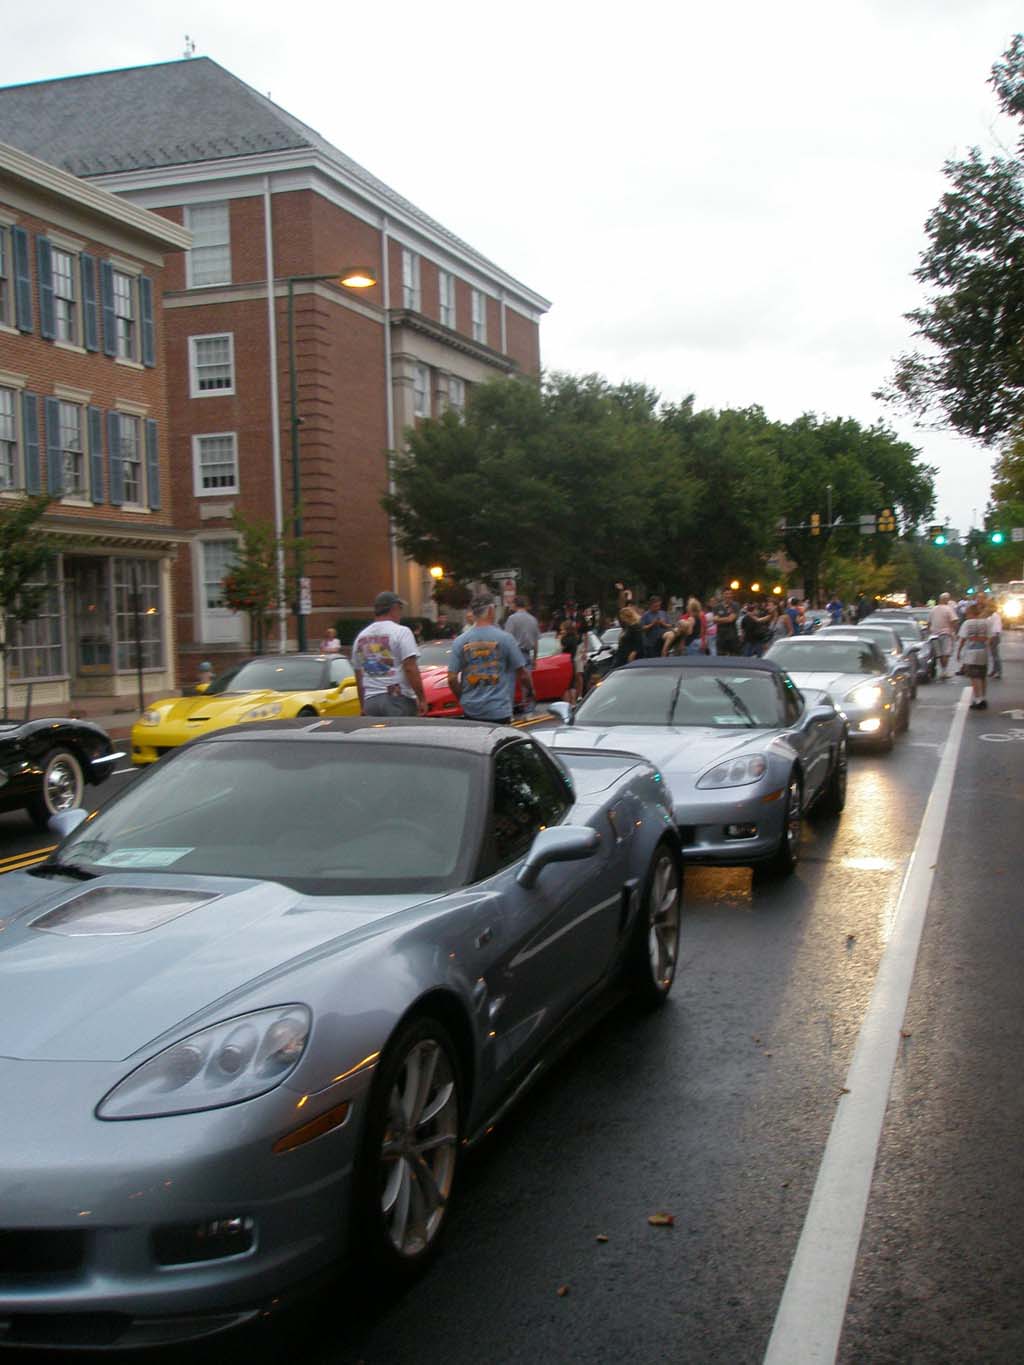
<point x="715" y="825"/>
<point x="868" y="724"/>
<point x="88" y="1210"/>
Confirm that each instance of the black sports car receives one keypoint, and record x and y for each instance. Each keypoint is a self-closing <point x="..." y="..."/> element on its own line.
<point x="46" y="764"/>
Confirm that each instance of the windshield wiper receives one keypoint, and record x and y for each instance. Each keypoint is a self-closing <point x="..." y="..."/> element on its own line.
<point x="55" y="869"/>
<point x="738" y="704"/>
<point x="675" y="698"/>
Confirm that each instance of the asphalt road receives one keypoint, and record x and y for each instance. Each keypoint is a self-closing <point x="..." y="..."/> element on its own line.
<point x="717" y="1111"/>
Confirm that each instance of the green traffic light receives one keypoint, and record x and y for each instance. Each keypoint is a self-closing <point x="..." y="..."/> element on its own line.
<point x="940" y="539"/>
<point x="996" y="537"/>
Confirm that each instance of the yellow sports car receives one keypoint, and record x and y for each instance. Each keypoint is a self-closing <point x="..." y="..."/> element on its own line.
<point x="272" y="687"/>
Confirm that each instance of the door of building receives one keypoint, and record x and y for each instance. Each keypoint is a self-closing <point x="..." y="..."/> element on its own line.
<point x="220" y="624"/>
<point x="87" y="582"/>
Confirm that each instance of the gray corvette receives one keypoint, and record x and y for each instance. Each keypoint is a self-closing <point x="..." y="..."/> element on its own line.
<point x="744" y="752"/>
<point x="252" y="1010"/>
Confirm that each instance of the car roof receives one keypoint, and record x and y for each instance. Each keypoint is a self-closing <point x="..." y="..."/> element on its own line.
<point x="727" y="661"/>
<point x="468" y="736"/>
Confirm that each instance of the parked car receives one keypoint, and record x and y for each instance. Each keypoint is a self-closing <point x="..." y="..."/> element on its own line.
<point x="551" y="674"/>
<point x="46" y="764"/>
<point x="253" y="1011"/>
<point x="855" y="675"/>
<point x="914" y="637"/>
<point x="268" y="687"/>
<point x="902" y="657"/>
<point x="744" y="752"/>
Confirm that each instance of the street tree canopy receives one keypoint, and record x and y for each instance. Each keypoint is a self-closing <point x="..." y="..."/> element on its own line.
<point x="970" y="373"/>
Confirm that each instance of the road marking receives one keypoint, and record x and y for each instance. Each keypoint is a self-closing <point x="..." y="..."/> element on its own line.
<point x="37" y="855"/>
<point x="810" y="1319"/>
<point x="1007" y="738"/>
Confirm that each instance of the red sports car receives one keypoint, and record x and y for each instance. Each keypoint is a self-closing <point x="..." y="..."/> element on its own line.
<point x="552" y="674"/>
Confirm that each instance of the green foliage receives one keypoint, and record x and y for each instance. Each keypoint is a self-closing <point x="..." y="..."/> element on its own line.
<point x="251" y="583"/>
<point x="971" y="374"/>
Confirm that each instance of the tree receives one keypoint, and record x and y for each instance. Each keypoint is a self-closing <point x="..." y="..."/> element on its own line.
<point x="26" y="552"/>
<point x="251" y="582"/>
<point x="971" y="374"/>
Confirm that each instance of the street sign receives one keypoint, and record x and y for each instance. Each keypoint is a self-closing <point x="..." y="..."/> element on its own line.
<point x="508" y="591"/>
<point x="503" y="573"/>
<point x="1017" y="533"/>
<point x="305" y="596"/>
<point x="867" y="525"/>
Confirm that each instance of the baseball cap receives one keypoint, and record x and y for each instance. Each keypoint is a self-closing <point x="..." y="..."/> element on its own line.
<point x="384" y="601"/>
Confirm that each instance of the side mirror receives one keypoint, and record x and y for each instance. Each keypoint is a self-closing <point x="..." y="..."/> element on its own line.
<point x="563" y="844"/>
<point x="562" y="710"/>
<point x="820" y="715"/>
<point x="200" y="687"/>
<point x="65" y="822"/>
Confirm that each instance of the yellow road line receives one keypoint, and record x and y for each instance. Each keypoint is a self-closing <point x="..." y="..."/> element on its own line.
<point x="527" y="721"/>
<point x="16" y="858"/>
<point x="29" y="860"/>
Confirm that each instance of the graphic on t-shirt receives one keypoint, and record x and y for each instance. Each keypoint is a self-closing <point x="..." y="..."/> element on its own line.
<point x="482" y="666"/>
<point x="375" y="656"/>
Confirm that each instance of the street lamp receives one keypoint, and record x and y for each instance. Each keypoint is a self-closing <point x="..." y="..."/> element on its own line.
<point x="352" y="277"/>
<point x="436" y="572"/>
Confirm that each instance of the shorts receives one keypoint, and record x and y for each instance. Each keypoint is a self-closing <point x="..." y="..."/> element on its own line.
<point x="975" y="670"/>
<point x="945" y="643"/>
<point x="384" y="704"/>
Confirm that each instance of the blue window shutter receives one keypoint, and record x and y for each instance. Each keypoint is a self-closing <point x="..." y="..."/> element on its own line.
<point x="152" y="463"/>
<point x="54" y="454"/>
<point x="44" y="259"/>
<point x="146" y="309"/>
<point x="22" y="280"/>
<point x="96" y="453"/>
<point x="114" y="459"/>
<point x="107" y="303"/>
<point x="90" y="316"/>
<point x="30" y="426"/>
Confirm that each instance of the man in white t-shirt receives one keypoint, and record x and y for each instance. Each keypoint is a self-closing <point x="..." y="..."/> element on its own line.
<point x="943" y="622"/>
<point x="384" y="659"/>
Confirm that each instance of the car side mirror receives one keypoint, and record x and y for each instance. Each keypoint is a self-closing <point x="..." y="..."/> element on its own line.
<point x="563" y="844"/>
<point x="65" y="822"/>
<point x="820" y="715"/>
<point x="562" y="710"/>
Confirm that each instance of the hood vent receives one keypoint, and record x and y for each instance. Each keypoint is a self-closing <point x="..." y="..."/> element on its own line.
<point x="119" y="910"/>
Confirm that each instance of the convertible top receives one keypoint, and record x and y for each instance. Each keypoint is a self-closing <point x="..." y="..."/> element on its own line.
<point x="730" y="662"/>
<point x="471" y="736"/>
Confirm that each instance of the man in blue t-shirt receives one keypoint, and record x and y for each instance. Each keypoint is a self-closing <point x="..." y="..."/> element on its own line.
<point x="486" y="662"/>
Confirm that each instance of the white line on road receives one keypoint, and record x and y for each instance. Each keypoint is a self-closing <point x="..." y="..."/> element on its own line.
<point x="809" y="1322"/>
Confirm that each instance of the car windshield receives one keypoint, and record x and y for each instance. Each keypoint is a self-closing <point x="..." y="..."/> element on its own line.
<point x="547" y="645"/>
<point x="280" y="674"/>
<point x="724" y="699"/>
<point x="330" y="817"/>
<point x="437" y="655"/>
<point x="884" y="637"/>
<point x="821" y="655"/>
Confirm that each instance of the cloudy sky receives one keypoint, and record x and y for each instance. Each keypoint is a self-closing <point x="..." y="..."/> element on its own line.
<point x="723" y="200"/>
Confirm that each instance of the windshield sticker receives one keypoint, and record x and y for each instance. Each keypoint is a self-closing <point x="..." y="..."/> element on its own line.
<point x="141" y="857"/>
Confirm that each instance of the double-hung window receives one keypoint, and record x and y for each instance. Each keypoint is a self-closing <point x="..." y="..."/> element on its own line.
<point x="211" y="364"/>
<point x="446" y="297"/>
<point x="218" y="558"/>
<point x="209" y="261"/>
<point x="6" y="280"/>
<point x="126" y="329"/>
<point x="138" y="610"/>
<point x="216" y="463"/>
<point x="130" y="454"/>
<point x="410" y="280"/>
<point x="456" y="393"/>
<point x="65" y="295"/>
<point x="71" y="429"/>
<point x="37" y="647"/>
<point x="479" y="316"/>
<point x="421" y="391"/>
<point x="9" y="462"/>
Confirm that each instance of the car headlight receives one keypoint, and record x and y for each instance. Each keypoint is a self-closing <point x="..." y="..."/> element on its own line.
<point x="235" y="1060"/>
<point x="150" y="718"/>
<point x="737" y="773"/>
<point x="267" y="711"/>
<point x="865" y="696"/>
<point x="1013" y="608"/>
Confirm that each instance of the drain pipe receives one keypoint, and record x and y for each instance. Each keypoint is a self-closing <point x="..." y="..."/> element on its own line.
<point x="275" y="417"/>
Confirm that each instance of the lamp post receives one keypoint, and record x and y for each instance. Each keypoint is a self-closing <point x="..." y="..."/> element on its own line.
<point x="353" y="277"/>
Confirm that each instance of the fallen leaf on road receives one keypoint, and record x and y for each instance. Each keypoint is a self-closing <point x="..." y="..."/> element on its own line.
<point x="601" y="1237"/>
<point x="661" y="1220"/>
<point x="905" y="1033"/>
<point x="563" y="1290"/>
<point x="851" y="938"/>
<point x="755" y="1038"/>
<point x="785" y="1184"/>
<point x="769" y="1054"/>
<point x="844" y="1090"/>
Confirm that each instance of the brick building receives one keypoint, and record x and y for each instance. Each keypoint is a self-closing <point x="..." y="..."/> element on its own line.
<point x="83" y="417"/>
<point x="266" y="198"/>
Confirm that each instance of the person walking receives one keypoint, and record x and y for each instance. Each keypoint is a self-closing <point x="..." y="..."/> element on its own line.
<point x="384" y="659"/>
<point x="995" y="639"/>
<point x="727" y="633"/>
<point x="486" y="664"/>
<point x="943" y="624"/>
<point x="654" y="623"/>
<point x="524" y="629"/>
<point x="974" y="647"/>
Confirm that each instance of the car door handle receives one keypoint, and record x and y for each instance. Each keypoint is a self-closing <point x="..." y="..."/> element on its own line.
<point x="484" y="937"/>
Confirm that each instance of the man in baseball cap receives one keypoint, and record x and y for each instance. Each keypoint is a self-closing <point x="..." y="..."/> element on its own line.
<point x="384" y="659"/>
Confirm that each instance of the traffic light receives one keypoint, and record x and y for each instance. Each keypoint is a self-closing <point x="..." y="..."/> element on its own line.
<point x="996" y="537"/>
<point x="815" y="523"/>
<point x="886" y="520"/>
<point x="937" y="535"/>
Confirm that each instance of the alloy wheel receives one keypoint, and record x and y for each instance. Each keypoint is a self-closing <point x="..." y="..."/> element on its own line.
<point x="663" y="921"/>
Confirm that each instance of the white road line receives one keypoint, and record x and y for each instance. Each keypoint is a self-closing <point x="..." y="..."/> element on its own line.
<point x="813" y="1306"/>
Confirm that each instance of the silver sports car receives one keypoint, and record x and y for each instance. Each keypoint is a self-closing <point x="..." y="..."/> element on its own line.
<point x="856" y="675"/>
<point x="251" y="1011"/>
<point x="744" y="752"/>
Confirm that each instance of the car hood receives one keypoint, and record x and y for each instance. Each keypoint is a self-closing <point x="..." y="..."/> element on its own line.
<point x="202" y="709"/>
<point x="79" y="988"/>
<point x="837" y="685"/>
<point x="682" y="750"/>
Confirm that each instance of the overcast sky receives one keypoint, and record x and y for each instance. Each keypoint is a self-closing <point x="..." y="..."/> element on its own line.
<point x="725" y="201"/>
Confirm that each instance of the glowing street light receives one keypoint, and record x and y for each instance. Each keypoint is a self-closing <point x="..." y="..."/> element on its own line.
<point x="735" y="585"/>
<point x="436" y="572"/>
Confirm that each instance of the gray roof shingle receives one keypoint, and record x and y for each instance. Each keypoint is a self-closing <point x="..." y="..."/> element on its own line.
<point x="173" y="114"/>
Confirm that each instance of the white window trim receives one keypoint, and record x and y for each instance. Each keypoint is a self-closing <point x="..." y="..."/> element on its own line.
<point x="446" y="287"/>
<point x="478" y="327"/>
<point x="193" y="377"/>
<point x="75" y="253"/>
<point x="211" y="284"/>
<point x="74" y="398"/>
<point x="133" y="362"/>
<point x="415" y="287"/>
<point x="132" y="410"/>
<point x="428" y="396"/>
<point x="197" y="473"/>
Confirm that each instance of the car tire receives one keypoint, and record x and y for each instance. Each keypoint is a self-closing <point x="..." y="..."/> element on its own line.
<point x="306" y="711"/>
<point x="62" y="786"/>
<point x="833" y="798"/>
<point x="786" y="856"/>
<point x="409" y="1152"/>
<point x="653" y="954"/>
